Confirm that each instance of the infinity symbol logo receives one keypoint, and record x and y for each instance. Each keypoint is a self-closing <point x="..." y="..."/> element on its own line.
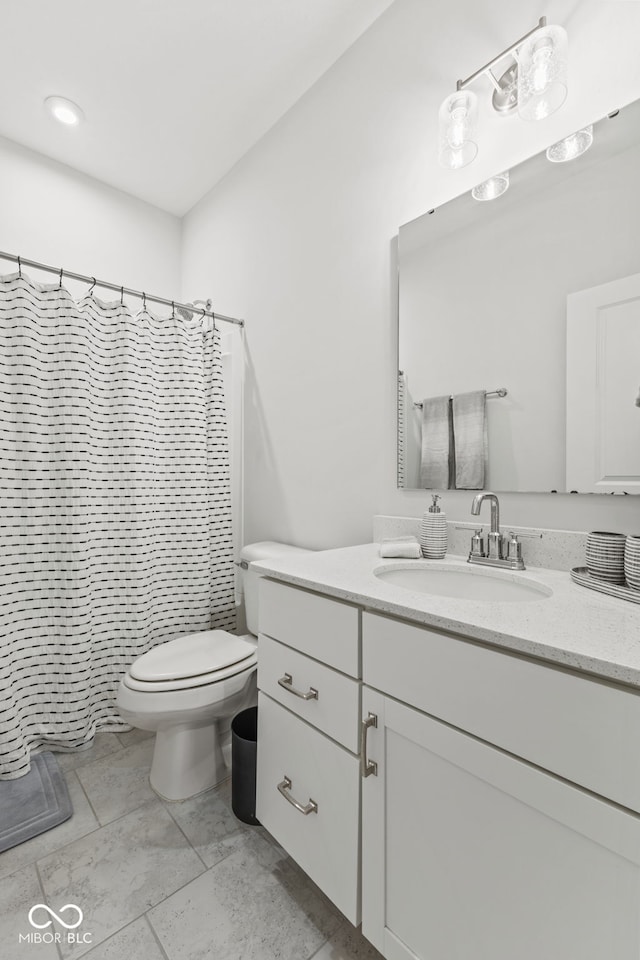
<point x="55" y="916"/>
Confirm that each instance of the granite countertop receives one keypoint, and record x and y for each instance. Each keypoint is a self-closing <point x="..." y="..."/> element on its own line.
<point x="574" y="627"/>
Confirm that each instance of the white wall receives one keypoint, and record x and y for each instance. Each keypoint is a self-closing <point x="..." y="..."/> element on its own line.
<point x="299" y="239"/>
<point x="53" y="214"/>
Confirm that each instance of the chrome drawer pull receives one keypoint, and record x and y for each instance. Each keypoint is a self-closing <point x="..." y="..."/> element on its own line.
<point x="306" y="809"/>
<point x="367" y="767"/>
<point x="287" y="683"/>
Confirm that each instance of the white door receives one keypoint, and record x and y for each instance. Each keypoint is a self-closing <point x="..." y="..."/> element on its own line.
<point x="603" y="382"/>
<point x="468" y="852"/>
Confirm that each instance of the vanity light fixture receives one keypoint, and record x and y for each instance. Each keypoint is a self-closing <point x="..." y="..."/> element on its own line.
<point x="493" y="187"/>
<point x="572" y="146"/>
<point x="64" y="111"/>
<point x="457" y="124"/>
<point x="535" y="82"/>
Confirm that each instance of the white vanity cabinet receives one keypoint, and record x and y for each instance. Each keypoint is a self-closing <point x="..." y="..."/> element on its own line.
<point x="308" y="777"/>
<point x="499" y="816"/>
<point x="468" y="850"/>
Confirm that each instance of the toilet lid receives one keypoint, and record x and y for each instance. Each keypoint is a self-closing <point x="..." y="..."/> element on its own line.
<point x="192" y="656"/>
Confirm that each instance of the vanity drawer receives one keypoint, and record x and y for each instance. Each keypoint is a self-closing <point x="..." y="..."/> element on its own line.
<point x="585" y="730"/>
<point x="335" y="709"/>
<point x="325" y="843"/>
<point x="324" y="629"/>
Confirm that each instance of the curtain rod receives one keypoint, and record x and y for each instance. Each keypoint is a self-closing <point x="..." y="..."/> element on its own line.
<point x="205" y="312"/>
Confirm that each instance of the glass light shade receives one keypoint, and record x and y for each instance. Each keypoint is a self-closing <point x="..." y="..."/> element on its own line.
<point x="542" y="73"/>
<point x="65" y="111"/>
<point x="572" y="146"/>
<point x="457" y="123"/>
<point x="492" y="188"/>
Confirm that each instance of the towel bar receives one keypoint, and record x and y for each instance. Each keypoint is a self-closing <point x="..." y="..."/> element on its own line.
<point x="500" y="392"/>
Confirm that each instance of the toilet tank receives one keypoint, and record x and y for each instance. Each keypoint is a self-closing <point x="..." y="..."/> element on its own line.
<point x="265" y="550"/>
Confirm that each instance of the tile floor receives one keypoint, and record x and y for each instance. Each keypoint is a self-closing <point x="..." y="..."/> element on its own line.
<point x="163" y="881"/>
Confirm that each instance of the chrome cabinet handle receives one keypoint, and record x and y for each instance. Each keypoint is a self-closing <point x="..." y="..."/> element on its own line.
<point x="367" y="767"/>
<point x="284" y="786"/>
<point x="287" y="683"/>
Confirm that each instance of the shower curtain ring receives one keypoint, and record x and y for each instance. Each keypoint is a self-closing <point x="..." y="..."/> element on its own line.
<point x="60" y="284"/>
<point x="144" y="300"/>
<point x="173" y="310"/>
<point x="19" y="267"/>
<point x="92" y="285"/>
<point x="122" y="296"/>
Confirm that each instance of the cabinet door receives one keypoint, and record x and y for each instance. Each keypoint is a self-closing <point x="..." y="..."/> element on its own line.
<point x="316" y="817"/>
<point x="469" y="852"/>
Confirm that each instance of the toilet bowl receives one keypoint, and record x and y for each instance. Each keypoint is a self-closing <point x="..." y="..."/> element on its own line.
<point x="189" y="689"/>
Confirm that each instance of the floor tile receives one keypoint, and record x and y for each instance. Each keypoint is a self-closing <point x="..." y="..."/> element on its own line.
<point x="118" y="783"/>
<point x="209" y="823"/>
<point x="253" y="905"/>
<point x="17" y="895"/>
<point x="128" y="737"/>
<point x="81" y="822"/>
<point x="347" y="944"/>
<point x="103" y="744"/>
<point x="120" y="871"/>
<point x="135" y="942"/>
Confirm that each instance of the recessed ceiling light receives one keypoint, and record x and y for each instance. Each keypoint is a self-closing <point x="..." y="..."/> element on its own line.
<point x="65" y="111"/>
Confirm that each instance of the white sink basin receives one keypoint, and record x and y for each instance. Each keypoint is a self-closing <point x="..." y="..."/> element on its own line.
<point x="462" y="582"/>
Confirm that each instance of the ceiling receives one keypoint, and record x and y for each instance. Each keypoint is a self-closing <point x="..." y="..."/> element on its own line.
<point x="174" y="91"/>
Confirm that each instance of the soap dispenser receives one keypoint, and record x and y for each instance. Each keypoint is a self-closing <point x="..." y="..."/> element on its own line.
<point x="433" y="531"/>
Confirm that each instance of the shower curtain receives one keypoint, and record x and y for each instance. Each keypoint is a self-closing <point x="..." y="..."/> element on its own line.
<point x="115" y="505"/>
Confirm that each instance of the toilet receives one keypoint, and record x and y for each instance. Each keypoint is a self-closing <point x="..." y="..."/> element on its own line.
<point x="189" y="689"/>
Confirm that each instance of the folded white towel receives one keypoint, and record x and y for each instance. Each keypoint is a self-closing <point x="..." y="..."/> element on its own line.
<point x="407" y="547"/>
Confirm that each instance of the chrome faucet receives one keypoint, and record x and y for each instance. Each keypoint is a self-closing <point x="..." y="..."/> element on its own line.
<point x="495" y="537"/>
<point x="497" y="555"/>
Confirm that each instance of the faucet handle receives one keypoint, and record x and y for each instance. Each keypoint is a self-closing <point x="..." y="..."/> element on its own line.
<point x="514" y="547"/>
<point x="477" y="544"/>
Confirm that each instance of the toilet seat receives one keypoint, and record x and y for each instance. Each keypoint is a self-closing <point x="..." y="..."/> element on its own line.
<point x="193" y="660"/>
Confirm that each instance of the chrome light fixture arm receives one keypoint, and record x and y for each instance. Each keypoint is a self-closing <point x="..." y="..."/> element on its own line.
<point x="510" y="51"/>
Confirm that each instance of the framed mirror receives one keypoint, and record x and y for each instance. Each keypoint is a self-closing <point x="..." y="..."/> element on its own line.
<point x="534" y="298"/>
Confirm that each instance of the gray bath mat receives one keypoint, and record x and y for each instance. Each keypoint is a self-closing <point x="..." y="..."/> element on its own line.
<point x="34" y="803"/>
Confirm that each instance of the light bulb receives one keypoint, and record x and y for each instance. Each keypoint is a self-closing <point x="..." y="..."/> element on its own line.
<point x="542" y="73"/>
<point x="541" y="65"/>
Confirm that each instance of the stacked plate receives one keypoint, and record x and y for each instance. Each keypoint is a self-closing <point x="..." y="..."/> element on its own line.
<point x="632" y="562"/>
<point x="605" y="556"/>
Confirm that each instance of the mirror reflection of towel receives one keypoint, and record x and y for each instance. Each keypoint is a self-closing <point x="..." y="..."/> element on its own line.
<point x="435" y="464"/>
<point x="471" y="441"/>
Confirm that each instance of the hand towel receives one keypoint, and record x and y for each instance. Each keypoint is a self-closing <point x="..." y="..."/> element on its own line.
<point x="407" y="547"/>
<point x="470" y="439"/>
<point x="436" y="447"/>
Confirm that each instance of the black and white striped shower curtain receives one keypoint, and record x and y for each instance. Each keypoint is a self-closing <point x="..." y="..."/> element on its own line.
<point x="115" y="505"/>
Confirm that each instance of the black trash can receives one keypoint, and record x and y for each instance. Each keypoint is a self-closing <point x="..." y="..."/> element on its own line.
<point x="244" y="741"/>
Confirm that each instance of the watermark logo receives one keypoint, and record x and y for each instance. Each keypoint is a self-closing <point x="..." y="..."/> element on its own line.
<point x="56" y="916"/>
<point x="41" y="917"/>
